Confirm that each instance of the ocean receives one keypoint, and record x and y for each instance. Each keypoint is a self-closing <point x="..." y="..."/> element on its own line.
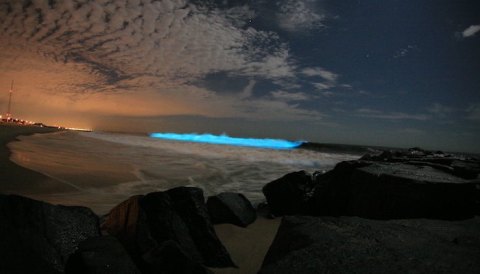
<point x="103" y="169"/>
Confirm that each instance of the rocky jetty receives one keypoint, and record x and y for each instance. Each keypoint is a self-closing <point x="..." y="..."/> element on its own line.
<point x="411" y="212"/>
<point x="306" y="244"/>
<point x="231" y="208"/>
<point x="390" y="185"/>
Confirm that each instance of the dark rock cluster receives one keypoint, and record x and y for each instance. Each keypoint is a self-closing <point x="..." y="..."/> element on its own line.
<point x="394" y="212"/>
<point x="306" y="244"/>
<point x="161" y="232"/>
<point x="390" y="185"/>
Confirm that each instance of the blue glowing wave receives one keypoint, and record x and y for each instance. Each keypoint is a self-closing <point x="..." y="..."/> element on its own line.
<point x="227" y="140"/>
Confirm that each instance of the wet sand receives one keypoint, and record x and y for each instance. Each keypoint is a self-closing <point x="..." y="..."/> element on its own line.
<point x="15" y="179"/>
<point x="247" y="246"/>
<point x="22" y="180"/>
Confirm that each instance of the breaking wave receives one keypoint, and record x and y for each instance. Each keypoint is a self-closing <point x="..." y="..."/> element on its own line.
<point x="227" y="140"/>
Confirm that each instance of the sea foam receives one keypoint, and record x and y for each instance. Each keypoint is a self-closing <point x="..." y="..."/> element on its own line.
<point x="107" y="168"/>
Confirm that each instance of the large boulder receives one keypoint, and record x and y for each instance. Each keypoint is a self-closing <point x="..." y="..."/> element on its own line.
<point x="170" y="258"/>
<point x="331" y="194"/>
<point x="126" y="221"/>
<point x="101" y="255"/>
<point x="383" y="190"/>
<point x="231" y="208"/>
<point x="36" y="237"/>
<point x="458" y="165"/>
<point x="289" y="194"/>
<point x="306" y="244"/>
<point x="144" y="223"/>
<point x="467" y="169"/>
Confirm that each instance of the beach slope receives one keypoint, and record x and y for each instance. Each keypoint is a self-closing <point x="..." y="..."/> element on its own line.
<point x="15" y="179"/>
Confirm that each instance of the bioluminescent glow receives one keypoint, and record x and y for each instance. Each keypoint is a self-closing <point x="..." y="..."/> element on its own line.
<point x="227" y="140"/>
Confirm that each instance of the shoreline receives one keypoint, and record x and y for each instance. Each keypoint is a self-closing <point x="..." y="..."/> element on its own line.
<point x="15" y="179"/>
<point x="247" y="246"/>
<point x="108" y="169"/>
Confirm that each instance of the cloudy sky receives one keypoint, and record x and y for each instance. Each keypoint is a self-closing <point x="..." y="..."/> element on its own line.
<point x="398" y="73"/>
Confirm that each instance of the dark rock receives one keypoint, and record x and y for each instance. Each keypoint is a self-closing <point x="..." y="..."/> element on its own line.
<point x="289" y="194"/>
<point x="189" y="202"/>
<point x="416" y="151"/>
<point x="445" y="168"/>
<point x="412" y="154"/>
<point x="170" y="258"/>
<point x="387" y="191"/>
<point x="143" y="223"/>
<point x="100" y="255"/>
<point x="355" y="245"/>
<point x="331" y="194"/>
<point x="231" y="208"/>
<point x="126" y="221"/>
<point x="366" y="157"/>
<point x="37" y="237"/>
<point x="466" y="169"/>
<point x="392" y="191"/>
<point x="400" y="184"/>
<point x="381" y="156"/>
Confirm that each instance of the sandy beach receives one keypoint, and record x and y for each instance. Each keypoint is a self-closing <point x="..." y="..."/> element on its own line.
<point x="15" y="179"/>
<point x="247" y="246"/>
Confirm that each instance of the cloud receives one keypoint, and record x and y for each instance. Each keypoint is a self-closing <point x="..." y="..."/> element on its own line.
<point x="330" y="80"/>
<point x="289" y="96"/>
<point x="440" y="110"/>
<point x="299" y="15"/>
<point x="412" y="131"/>
<point x="372" y="113"/>
<point x="97" y="56"/>
<point x="368" y="111"/>
<point x="327" y="93"/>
<point x="473" y="112"/>
<point x="364" y="92"/>
<point x="170" y="40"/>
<point x="248" y="89"/>
<point x="323" y="73"/>
<point x="278" y="110"/>
<point x="322" y="86"/>
<point x="471" y="31"/>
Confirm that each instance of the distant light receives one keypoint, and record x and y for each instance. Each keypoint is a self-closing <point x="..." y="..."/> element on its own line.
<point x="227" y="140"/>
<point x="78" y="129"/>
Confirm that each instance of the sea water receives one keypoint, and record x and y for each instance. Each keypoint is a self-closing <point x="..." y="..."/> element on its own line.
<point x="104" y="169"/>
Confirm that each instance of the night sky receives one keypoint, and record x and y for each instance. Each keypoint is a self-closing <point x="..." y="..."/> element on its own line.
<point x="394" y="73"/>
